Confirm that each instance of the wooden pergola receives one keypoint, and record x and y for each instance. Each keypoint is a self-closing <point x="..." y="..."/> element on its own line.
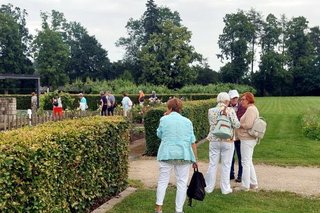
<point x="25" y="77"/>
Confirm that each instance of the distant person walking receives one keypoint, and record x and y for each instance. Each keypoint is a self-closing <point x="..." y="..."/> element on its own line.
<point x="126" y="104"/>
<point x="141" y="98"/>
<point x="111" y="101"/>
<point x="83" y="105"/>
<point x="57" y="106"/>
<point x="34" y="103"/>
<point x="103" y="103"/>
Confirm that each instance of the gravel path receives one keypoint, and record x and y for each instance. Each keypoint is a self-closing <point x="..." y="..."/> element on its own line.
<point x="301" y="180"/>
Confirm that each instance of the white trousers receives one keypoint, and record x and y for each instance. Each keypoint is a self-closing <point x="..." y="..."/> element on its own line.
<point x="225" y="151"/>
<point x="248" y="172"/>
<point x="182" y="177"/>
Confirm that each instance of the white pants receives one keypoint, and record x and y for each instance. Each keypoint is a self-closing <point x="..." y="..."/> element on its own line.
<point x="225" y="150"/>
<point x="182" y="176"/>
<point x="248" y="171"/>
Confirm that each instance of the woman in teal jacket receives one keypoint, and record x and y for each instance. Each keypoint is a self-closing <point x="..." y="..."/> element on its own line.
<point x="177" y="151"/>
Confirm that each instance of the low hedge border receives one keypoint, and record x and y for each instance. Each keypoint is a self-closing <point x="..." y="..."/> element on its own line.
<point x="196" y="111"/>
<point x="64" y="166"/>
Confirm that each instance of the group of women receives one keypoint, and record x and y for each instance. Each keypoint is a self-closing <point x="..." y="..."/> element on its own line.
<point x="178" y="149"/>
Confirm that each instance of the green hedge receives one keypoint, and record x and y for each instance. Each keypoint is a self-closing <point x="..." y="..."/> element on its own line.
<point x="311" y="125"/>
<point x="196" y="111"/>
<point x="63" y="166"/>
<point x="71" y="101"/>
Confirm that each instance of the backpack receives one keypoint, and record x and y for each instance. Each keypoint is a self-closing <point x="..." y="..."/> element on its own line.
<point x="259" y="128"/>
<point x="223" y="128"/>
<point x="196" y="187"/>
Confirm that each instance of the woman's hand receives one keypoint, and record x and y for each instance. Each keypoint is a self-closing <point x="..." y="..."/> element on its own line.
<point x="194" y="165"/>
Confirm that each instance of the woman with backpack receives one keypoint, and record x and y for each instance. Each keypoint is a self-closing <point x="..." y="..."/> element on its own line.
<point x="248" y="142"/>
<point x="220" y="143"/>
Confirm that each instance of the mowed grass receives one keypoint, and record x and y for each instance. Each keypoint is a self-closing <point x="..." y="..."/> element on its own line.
<point x="284" y="144"/>
<point x="143" y="201"/>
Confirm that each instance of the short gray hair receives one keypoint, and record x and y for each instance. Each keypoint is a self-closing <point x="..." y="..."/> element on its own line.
<point x="222" y="97"/>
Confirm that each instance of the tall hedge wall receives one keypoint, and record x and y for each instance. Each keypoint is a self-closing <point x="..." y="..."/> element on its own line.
<point x="196" y="111"/>
<point x="64" y="166"/>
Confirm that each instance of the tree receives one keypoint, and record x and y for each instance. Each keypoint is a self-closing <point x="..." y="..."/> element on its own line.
<point x="233" y="43"/>
<point x="139" y="32"/>
<point x="256" y="20"/>
<point x="51" y="55"/>
<point x="167" y="57"/>
<point x="14" y="41"/>
<point x="299" y="51"/>
<point x="88" y="58"/>
<point x="151" y="20"/>
<point x="14" y="49"/>
<point x="271" y="79"/>
<point x="205" y="75"/>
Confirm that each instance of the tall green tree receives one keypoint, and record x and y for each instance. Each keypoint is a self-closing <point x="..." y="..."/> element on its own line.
<point x="151" y="20"/>
<point x="299" y="51"/>
<point x="14" y="41"/>
<point x="233" y="42"/>
<point x="271" y="79"/>
<point x="87" y="57"/>
<point x="255" y="19"/>
<point x="51" y="55"/>
<point x="167" y="57"/>
<point x="139" y="32"/>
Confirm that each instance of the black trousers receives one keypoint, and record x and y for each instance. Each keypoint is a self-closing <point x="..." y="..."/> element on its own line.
<point x="237" y="145"/>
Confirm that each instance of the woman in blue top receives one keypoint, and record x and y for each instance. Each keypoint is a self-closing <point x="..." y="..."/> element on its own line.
<point x="177" y="151"/>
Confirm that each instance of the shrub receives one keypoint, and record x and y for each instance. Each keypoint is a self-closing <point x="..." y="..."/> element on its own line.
<point x="311" y="125"/>
<point x="63" y="166"/>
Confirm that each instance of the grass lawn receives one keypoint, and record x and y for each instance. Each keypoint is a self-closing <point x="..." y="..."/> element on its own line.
<point x="143" y="201"/>
<point x="284" y="144"/>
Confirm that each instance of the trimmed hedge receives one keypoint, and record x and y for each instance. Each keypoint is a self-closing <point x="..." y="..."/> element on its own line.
<point x="64" y="166"/>
<point x="196" y="111"/>
<point x="24" y="101"/>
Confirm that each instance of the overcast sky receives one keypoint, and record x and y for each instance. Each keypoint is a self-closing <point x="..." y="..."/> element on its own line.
<point x="106" y="19"/>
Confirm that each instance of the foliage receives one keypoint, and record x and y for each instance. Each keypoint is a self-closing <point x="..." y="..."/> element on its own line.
<point x="167" y="57"/>
<point x="233" y="43"/>
<point x="66" y="99"/>
<point x="311" y="124"/>
<point x="14" y="49"/>
<point x="51" y="56"/>
<point x="196" y="111"/>
<point x="64" y="166"/>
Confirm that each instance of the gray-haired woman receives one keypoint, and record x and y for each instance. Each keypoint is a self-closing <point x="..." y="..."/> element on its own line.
<point x="220" y="147"/>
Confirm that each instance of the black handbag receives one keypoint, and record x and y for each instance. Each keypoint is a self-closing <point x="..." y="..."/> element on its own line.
<point x="196" y="187"/>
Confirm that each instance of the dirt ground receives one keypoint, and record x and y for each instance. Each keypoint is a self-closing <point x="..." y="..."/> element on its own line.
<point x="300" y="180"/>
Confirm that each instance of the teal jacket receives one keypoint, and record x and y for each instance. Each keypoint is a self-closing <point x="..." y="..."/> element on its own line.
<point x="177" y="136"/>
